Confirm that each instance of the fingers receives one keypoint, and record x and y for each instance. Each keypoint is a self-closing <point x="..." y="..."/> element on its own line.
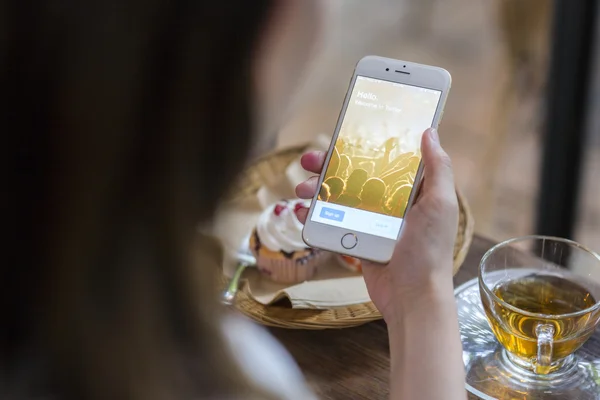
<point x="439" y="177"/>
<point x="302" y="214"/>
<point x="308" y="188"/>
<point x="313" y="161"/>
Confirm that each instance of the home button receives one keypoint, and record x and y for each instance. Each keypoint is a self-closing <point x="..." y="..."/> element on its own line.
<point x="349" y="241"/>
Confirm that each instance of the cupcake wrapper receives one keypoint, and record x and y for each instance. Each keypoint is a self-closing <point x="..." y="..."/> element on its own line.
<point x="288" y="270"/>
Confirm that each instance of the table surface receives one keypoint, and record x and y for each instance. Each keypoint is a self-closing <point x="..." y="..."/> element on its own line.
<point x="354" y="363"/>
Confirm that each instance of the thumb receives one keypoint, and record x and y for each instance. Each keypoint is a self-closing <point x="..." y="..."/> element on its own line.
<point x="439" y="177"/>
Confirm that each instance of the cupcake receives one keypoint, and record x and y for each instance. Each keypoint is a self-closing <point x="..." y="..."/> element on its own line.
<point x="351" y="263"/>
<point x="277" y="244"/>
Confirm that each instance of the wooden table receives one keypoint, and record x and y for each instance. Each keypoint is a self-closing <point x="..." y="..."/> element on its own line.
<point x="354" y="363"/>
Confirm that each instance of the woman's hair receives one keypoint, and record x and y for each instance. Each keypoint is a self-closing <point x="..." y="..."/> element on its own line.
<point x="126" y="123"/>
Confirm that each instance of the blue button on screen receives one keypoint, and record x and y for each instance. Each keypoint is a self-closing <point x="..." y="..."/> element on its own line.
<point x="334" y="215"/>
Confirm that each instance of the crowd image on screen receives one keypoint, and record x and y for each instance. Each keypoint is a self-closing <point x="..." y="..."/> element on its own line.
<point x="373" y="177"/>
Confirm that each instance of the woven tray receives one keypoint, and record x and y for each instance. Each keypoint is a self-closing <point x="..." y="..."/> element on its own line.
<point x="269" y="169"/>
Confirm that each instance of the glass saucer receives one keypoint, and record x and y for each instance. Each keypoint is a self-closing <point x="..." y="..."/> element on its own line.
<point x="490" y="375"/>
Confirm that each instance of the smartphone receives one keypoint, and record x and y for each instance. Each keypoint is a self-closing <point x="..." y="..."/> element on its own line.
<point x="373" y="167"/>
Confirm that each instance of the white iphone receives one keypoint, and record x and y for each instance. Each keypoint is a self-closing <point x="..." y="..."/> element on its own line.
<point x="373" y="167"/>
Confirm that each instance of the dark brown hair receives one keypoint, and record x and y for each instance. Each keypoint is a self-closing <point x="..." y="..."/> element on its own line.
<point x="125" y="129"/>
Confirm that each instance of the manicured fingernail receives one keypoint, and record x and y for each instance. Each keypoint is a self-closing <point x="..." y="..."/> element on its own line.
<point x="433" y="133"/>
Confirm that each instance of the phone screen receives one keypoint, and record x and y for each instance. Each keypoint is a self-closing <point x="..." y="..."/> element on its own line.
<point x="372" y="169"/>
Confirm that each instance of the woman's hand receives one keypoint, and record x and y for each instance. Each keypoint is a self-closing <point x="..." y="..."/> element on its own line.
<point x="422" y="262"/>
<point x="414" y="291"/>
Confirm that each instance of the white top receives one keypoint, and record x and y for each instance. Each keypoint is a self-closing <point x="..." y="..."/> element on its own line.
<point x="264" y="360"/>
<point x="278" y="227"/>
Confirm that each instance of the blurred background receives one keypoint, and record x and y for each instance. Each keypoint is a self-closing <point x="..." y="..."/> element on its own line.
<point x="524" y="167"/>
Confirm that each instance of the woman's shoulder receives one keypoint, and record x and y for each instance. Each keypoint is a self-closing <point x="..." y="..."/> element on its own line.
<point x="264" y="360"/>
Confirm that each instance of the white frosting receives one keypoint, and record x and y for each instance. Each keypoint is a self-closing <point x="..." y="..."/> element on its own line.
<point x="283" y="231"/>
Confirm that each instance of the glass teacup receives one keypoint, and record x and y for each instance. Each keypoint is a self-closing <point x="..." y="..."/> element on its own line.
<point x="541" y="296"/>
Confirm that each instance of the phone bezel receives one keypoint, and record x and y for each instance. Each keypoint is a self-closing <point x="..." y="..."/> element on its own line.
<point x="371" y="247"/>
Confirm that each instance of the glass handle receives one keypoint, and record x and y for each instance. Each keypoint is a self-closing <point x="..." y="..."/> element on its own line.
<point x="545" y="341"/>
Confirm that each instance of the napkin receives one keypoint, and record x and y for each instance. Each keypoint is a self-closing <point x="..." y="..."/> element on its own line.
<point x="332" y="286"/>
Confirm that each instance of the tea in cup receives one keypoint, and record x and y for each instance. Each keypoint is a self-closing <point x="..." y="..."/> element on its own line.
<point x="541" y="296"/>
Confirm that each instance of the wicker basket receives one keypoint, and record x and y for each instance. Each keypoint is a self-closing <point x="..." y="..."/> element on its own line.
<point x="269" y="169"/>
